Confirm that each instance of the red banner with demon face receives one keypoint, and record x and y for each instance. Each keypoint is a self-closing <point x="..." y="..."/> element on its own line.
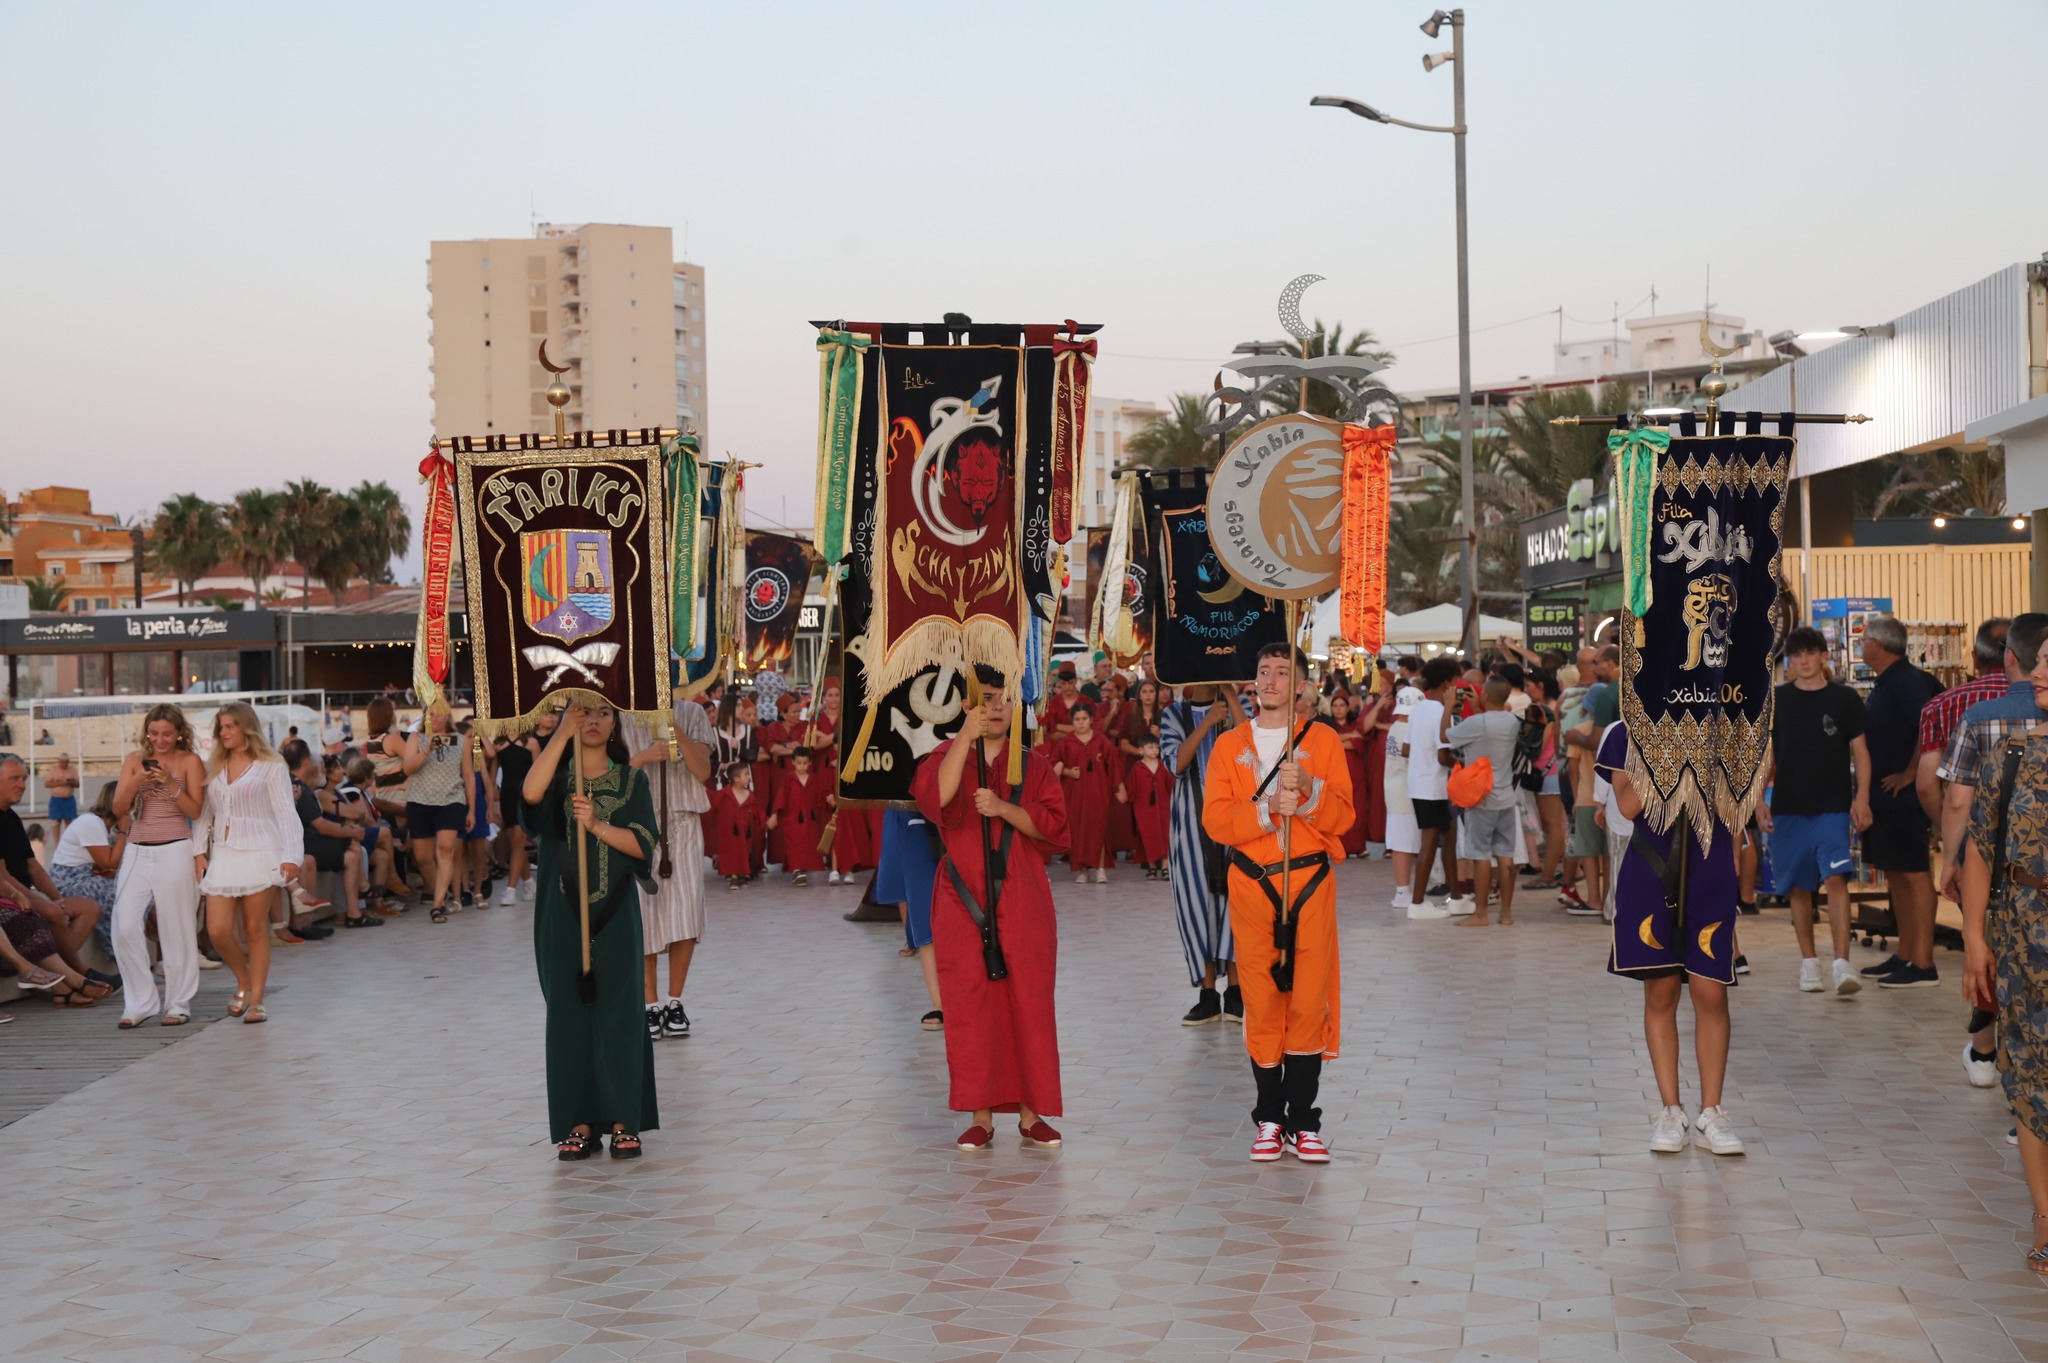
<point x="947" y="587"/>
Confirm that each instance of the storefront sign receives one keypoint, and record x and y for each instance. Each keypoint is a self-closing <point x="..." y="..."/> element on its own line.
<point x="142" y="629"/>
<point x="1575" y="542"/>
<point x="1549" y="625"/>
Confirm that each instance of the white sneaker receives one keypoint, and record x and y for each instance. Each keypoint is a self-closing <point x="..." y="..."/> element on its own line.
<point x="1668" y="1132"/>
<point x="1983" y="1073"/>
<point x="1460" y="905"/>
<point x="1102" y="875"/>
<point x="832" y="879"/>
<point x="526" y="890"/>
<point x="1402" y="900"/>
<point x="1428" y="911"/>
<point x="1717" y="1132"/>
<point x="507" y="897"/>
<point x="1845" y="977"/>
<point x="1080" y="877"/>
<point x="1809" y="976"/>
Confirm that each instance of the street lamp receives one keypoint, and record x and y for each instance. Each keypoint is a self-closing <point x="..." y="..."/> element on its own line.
<point x="1469" y="545"/>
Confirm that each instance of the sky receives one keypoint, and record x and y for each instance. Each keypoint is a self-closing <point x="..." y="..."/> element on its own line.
<point x="219" y="214"/>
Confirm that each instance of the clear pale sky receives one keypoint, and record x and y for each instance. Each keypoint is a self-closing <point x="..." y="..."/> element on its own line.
<point x="218" y="214"/>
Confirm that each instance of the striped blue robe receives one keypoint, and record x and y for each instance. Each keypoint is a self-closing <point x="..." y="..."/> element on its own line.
<point x="1204" y="917"/>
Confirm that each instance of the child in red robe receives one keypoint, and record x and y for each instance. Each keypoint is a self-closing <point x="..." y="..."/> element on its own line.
<point x="1089" y="772"/>
<point x="1149" y="784"/>
<point x="800" y="810"/>
<point x="739" y="821"/>
<point x="1002" y="1039"/>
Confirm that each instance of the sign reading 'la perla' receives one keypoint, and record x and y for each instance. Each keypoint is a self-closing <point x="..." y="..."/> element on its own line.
<point x="1276" y="507"/>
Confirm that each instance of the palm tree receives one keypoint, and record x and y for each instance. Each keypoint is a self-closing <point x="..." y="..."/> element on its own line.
<point x="1548" y="459"/>
<point x="1422" y="551"/>
<point x="188" y="537"/>
<point x="1174" y="440"/>
<point x="256" y="531"/>
<point x="307" y="526"/>
<point x="385" y="529"/>
<point x="339" y="557"/>
<point x="46" y="594"/>
<point x="1322" y="399"/>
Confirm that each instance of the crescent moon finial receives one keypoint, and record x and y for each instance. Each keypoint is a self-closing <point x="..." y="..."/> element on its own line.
<point x="545" y="364"/>
<point x="1290" y="305"/>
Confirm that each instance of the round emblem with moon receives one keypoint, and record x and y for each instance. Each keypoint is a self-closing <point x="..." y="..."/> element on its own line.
<point x="1276" y="507"/>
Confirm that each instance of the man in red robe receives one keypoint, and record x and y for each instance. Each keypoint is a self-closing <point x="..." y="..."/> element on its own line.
<point x="1066" y="699"/>
<point x="798" y="814"/>
<point x="1089" y="773"/>
<point x="1002" y="1044"/>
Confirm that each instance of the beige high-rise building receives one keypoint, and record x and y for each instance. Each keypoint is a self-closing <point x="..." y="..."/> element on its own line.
<point x="611" y="302"/>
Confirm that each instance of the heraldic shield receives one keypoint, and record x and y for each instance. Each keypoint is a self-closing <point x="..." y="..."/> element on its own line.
<point x="568" y="581"/>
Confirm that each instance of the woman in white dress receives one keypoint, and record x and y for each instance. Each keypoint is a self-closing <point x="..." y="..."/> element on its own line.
<point x="672" y="918"/>
<point x="250" y="844"/>
<point x="162" y="789"/>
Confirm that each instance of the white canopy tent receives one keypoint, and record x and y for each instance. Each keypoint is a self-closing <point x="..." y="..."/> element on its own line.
<point x="1417" y="631"/>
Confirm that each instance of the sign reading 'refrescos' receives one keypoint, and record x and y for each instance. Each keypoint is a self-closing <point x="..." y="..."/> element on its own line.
<point x="1276" y="507"/>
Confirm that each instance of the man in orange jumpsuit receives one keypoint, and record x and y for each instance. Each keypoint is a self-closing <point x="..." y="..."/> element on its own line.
<point x="1286" y="947"/>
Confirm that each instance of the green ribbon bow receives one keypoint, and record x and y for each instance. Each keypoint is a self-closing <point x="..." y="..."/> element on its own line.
<point x="680" y="456"/>
<point x="1635" y="454"/>
<point x="841" y="360"/>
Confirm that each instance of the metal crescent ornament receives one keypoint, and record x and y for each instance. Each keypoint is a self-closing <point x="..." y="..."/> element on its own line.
<point x="1719" y="352"/>
<point x="1290" y="305"/>
<point x="546" y="364"/>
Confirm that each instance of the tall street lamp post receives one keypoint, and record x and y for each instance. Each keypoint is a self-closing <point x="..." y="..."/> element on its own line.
<point x="1468" y="551"/>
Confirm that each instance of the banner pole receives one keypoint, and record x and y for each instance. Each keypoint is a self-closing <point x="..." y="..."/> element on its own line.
<point x="582" y="859"/>
<point x="1293" y="610"/>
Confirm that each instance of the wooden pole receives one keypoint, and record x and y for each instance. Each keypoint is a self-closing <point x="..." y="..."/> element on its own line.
<point x="1293" y="611"/>
<point x="582" y="856"/>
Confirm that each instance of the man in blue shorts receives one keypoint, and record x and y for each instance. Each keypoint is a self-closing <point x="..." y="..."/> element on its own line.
<point x="904" y="878"/>
<point x="1820" y="795"/>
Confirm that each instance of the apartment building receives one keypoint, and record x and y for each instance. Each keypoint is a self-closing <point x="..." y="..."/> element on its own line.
<point x="611" y="302"/>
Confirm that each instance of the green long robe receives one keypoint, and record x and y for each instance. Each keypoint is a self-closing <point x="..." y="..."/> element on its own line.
<point x="600" y="1062"/>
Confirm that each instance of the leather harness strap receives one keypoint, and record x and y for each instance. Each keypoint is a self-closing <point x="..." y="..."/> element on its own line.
<point x="1284" y="922"/>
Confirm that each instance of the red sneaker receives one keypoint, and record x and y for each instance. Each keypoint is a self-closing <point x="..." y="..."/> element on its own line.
<point x="1267" y="1147"/>
<point x="1040" y="1135"/>
<point x="975" y="1138"/>
<point x="1309" y="1147"/>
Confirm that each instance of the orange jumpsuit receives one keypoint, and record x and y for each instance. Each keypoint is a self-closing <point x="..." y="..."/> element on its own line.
<point x="1303" y="1022"/>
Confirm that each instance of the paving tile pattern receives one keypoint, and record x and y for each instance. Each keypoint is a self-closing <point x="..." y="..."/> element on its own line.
<point x="366" y="1176"/>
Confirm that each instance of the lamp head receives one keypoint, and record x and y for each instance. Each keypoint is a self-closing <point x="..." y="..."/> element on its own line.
<point x="1884" y="330"/>
<point x="1431" y="61"/>
<point x="1786" y="343"/>
<point x="1435" y="22"/>
<point x="1359" y="107"/>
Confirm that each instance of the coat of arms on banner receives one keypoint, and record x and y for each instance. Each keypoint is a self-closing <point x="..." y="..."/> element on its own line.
<point x="568" y="581"/>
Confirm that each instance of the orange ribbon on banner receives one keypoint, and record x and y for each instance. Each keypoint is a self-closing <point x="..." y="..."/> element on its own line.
<point x="1362" y="561"/>
<point x="437" y="545"/>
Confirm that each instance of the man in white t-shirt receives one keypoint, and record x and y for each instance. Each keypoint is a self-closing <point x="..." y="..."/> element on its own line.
<point x="1428" y="791"/>
<point x="1404" y="839"/>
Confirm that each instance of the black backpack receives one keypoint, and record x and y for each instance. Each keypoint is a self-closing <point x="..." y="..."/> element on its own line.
<point x="1529" y="748"/>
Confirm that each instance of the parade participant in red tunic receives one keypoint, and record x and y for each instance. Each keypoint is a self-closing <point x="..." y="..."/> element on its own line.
<point x="1066" y="698"/>
<point x="738" y="819"/>
<point x="1087" y="768"/>
<point x="1352" y="734"/>
<point x="1002" y="1042"/>
<point x="1113" y="720"/>
<point x="1149" y="784"/>
<point x="776" y="739"/>
<point x="798" y="814"/>
<point x="1374" y="723"/>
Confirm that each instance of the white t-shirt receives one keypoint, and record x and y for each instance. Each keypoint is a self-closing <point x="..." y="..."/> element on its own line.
<point x="1428" y="778"/>
<point x="1395" y="780"/>
<point x="85" y="831"/>
<point x="1603" y="789"/>
<point x="1269" y="745"/>
<point x="1518" y="702"/>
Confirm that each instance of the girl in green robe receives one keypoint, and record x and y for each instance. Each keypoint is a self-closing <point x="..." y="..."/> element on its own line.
<point x="600" y="1061"/>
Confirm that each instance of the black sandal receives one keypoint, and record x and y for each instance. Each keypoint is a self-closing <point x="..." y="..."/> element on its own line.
<point x="577" y="1146"/>
<point x="625" y="1145"/>
<point x="439" y="915"/>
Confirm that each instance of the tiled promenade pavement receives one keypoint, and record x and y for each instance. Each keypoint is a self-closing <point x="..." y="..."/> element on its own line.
<point x="366" y="1176"/>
